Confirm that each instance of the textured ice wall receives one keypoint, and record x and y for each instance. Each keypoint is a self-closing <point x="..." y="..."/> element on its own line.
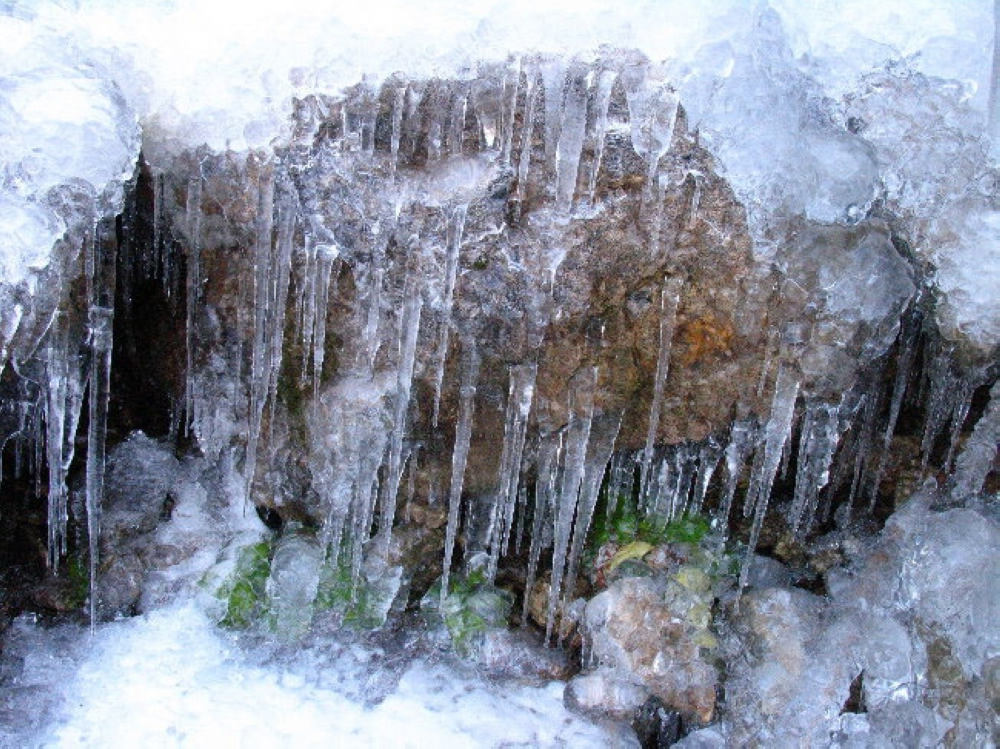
<point x="770" y="85"/>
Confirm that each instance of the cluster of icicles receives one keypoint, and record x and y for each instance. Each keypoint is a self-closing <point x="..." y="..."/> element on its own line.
<point x="569" y="467"/>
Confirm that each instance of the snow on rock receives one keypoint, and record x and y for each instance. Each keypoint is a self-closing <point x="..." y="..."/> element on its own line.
<point x="63" y="121"/>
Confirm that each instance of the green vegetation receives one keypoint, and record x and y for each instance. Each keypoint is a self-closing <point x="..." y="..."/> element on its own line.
<point x="471" y="607"/>
<point x="79" y="580"/>
<point x="244" y="592"/>
<point x="357" y="604"/>
<point x="625" y="526"/>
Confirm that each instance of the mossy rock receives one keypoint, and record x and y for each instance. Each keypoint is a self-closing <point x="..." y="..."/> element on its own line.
<point x="245" y="591"/>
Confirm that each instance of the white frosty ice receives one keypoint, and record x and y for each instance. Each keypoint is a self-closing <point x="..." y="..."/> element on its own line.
<point x="765" y="84"/>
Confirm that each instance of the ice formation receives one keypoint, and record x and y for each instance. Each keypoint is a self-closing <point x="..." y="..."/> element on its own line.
<point x="413" y="220"/>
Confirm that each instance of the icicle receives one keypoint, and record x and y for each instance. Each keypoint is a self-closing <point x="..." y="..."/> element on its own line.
<point x="57" y="376"/>
<point x="527" y="133"/>
<point x="604" y="434"/>
<point x="652" y="117"/>
<point x="941" y="383"/>
<point x="511" y="83"/>
<point x="549" y="458"/>
<point x="553" y="78"/>
<point x="621" y="481"/>
<point x="457" y="228"/>
<point x="602" y="100"/>
<point x="977" y="457"/>
<point x="287" y="211"/>
<point x="409" y="327"/>
<point x="870" y="409"/>
<point x="522" y="504"/>
<point x="960" y="401"/>
<point x="374" y="314"/>
<point x="904" y="364"/>
<point x="669" y="298"/>
<point x="571" y="134"/>
<point x="192" y="292"/>
<point x="455" y="137"/>
<point x="263" y="273"/>
<point x="709" y="455"/>
<point x="397" y="121"/>
<point x="463" y="435"/>
<point x="325" y="257"/>
<point x="581" y="414"/>
<point x="776" y="432"/>
<point x="101" y="322"/>
<point x="519" y="398"/>
<point x="818" y="439"/>
<point x="741" y="440"/>
<point x="306" y="313"/>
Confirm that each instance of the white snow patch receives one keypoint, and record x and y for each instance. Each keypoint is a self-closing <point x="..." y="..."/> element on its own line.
<point x="170" y="678"/>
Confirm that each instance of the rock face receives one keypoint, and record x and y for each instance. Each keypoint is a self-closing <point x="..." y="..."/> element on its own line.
<point x="651" y="635"/>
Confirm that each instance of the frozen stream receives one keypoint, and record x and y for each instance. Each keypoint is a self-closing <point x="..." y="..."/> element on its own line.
<point x="172" y="679"/>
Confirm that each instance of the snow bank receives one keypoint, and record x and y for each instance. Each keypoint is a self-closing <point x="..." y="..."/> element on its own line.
<point x="170" y="678"/>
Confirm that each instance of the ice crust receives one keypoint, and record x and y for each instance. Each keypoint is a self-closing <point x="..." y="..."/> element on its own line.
<point x="771" y="87"/>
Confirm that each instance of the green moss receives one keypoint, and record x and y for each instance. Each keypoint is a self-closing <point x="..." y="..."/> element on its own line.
<point x="471" y="607"/>
<point x="79" y="579"/>
<point x="245" y="592"/>
<point x="357" y="604"/>
<point x="481" y="263"/>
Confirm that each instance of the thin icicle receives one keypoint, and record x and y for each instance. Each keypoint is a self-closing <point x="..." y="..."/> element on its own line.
<point x="904" y="365"/>
<point x="512" y="84"/>
<point x="192" y="292"/>
<point x="326" y="255"/>
<point x="397" y="122"/>
<point x="527" y="133"/>
<point x="602" y="100"/>
<point x="709" y="455"/>
<point x="870" y="409"/>
<point x="669" y="298"/>
<point x="581" y="414"/>
<point x="460" y="453"/>
<point x="454" y="240"/>
<point x="409" y="327"/>
<point x="818" y="439"/>
<point x="519" y="398"/>
<point x="549" y="458"/>
<point x="263" y="271"/>
<point x="603" y="435"/>
<point x="980" y="452"/>
<point x="306" y="313"/>
<point x="287" y="211"/>
<point x="961" y="402"/>
<point x="776" y="433"/>
<point x="374" y="314"/>
<point x="57" y="376"/>
<point x="553" y="79"/>
<point x="621" y="481"/>
<point x="101" y="326"/>
<point x="571" y="134"/>
<point x="458" y="112"/>
<point x="742" y="435"/>
<point x="941" y="384"/>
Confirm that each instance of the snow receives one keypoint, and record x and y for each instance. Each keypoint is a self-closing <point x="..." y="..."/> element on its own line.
<point x="170" y="678"/>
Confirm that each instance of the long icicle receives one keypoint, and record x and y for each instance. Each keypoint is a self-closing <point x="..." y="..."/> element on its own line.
<point x="581" y="415"/>
<point x="463" y="435"/>
<point x="519" y="397"/>
<point x="409" y="327"/>
<point x="669" y="298"/>
<point x="454" y="241"/>
<point x="776" y="433"/>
